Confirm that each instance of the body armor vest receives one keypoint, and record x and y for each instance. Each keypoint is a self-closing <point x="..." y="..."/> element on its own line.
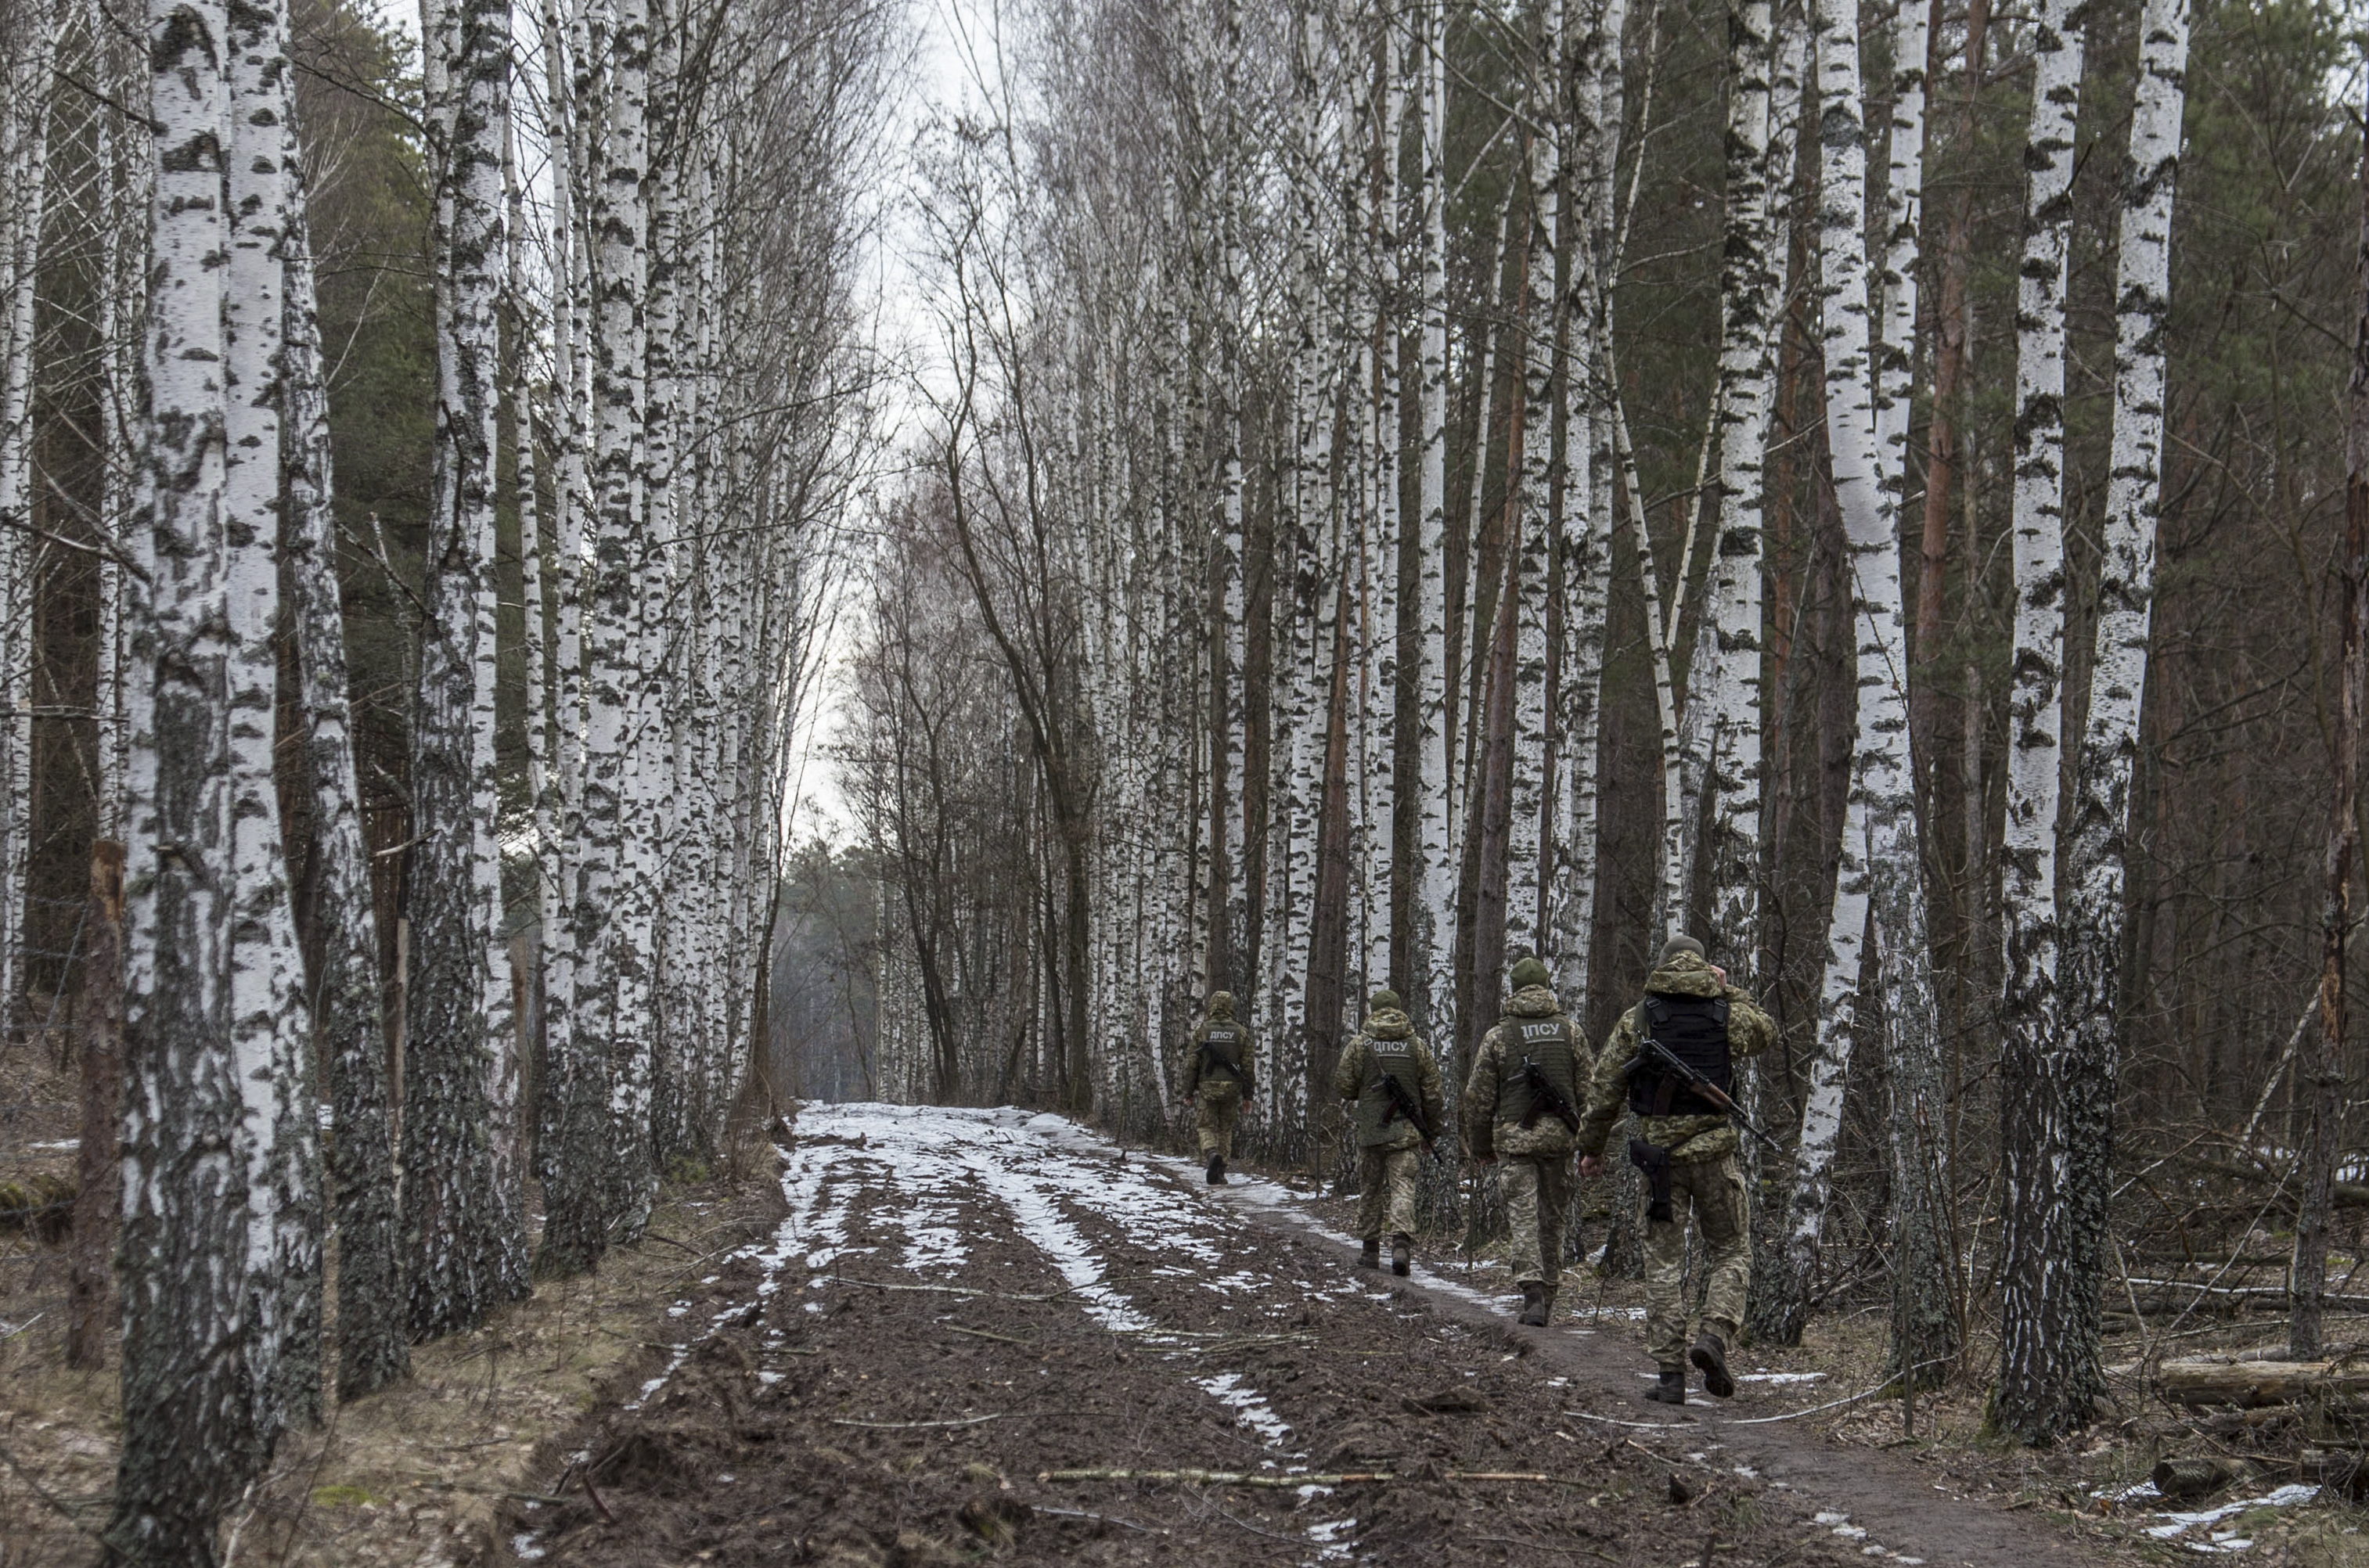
<point x="1695" y="1030"/>
<point x="1546" y="1041"/>
<point x="1388" y="1058"/>
<point x="1221" y="1053"/>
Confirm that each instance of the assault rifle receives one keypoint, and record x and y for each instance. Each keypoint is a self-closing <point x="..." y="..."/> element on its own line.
<point x="1651" y="1051"/>
<point x="1545" y="1099"/>
<point x="1403" y="1104"/>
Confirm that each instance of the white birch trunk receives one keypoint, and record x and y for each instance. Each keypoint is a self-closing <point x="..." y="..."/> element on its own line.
<point x="1880" y="872"/>
<point x="24" y="160"/>
<point x="200" y="1394"/>
<point x="1533" y="523"/>
<point x="2097" y="845"/>
<point x="2036" y="1242"/>
<point x="1430" y="969"/>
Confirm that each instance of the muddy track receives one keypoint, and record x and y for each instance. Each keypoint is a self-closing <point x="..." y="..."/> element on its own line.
<point x="963" y="1305"/>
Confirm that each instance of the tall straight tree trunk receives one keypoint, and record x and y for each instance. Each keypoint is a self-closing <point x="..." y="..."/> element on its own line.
<point x="1380" y="632"/>
<point x="99" y="1171"/>
<point x="458" y="1238"/>
<point x="1878" y="886"/>
<point x="2321" y="1071"/>
<point x="576" y="1197"/>
<point x="349" y="1028"/>
<point x="1533" y="531"/>
<point x="2097" y="848"/>
<point x="1749" y="303"/>
<point x="2039" y="1394"/>
<point x="1924" y="1314"/>
<point x="1949" y="351"/>
<point x="1584" y="537"/>
<point x="205" y="1095"/>
<point x="1430" y="978"/>
<point x="24" y="167"/>
<point x="282" y="1126"/>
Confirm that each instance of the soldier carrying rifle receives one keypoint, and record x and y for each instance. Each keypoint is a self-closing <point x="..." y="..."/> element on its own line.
<point x="1671" y="1061"/>
<point x="1519" y="1107"/>
<point x="1396" y="1081"/>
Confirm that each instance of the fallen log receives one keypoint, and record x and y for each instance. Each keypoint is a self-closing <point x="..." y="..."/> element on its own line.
<point x="2249" y="1385"/>
<point x="1293" y="1482"/>
<point x="2198" y="1477"/>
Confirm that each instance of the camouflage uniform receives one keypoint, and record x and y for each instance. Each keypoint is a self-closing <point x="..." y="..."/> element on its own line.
<point x="1704" y="1174"/>
<point x="1388" y="1140"/>
<point x="1219" y="1077"/>
<point x="1537" y="1175"/>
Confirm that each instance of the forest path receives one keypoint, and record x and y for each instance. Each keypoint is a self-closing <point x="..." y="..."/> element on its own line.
<point x="960" y="1303"/>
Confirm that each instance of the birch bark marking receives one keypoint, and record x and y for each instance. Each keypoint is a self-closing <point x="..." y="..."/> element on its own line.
<point x="1851" y="437"/>
<point x="1534" y="523"/>
<point x="2321" y="1072"/>
<point x="348" y="1025"/>
<point x="577" y="1229"/>
<point x="281" y="1131"/>
<point x="24" y="161"/>
<point x="1381" y="608"/>
<point x="458" y="1240"/>
<point x="1430" y="972"/>
<point x="1924" y="1319"/>
<point x="1748" y="302"/>
<point x="1583" y="533"/>
<point x="193" y="1402"/>
<point x="2096" y="849"/>
<point x="2036" y="1242"/>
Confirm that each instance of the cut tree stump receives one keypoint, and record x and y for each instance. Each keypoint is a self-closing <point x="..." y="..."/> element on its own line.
<point x="2249" y="1385"/>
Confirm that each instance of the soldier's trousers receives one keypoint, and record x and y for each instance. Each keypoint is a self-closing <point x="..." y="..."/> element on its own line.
<point x="1215" y="1108"/>
<point x="1385" y="1191"/>
<point x="1538" y="1196"/>
<point x="1714" y="1190"/>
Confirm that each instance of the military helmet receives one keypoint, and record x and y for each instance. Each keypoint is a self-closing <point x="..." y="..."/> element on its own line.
<point x="1385" y="1000"/>
<point x="1528" y="971"/>
<point x="1221" y="1002"/>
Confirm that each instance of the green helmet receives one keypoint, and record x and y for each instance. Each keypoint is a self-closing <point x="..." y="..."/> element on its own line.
<point x="1528" y="971"/>
<point x="1385" y="1000"/>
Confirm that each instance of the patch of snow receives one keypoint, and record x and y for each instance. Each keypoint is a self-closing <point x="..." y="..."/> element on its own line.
<point x="524" y="1545"/>
<point x="2180" y="1523"/>
<point x="1249" y="1405"/>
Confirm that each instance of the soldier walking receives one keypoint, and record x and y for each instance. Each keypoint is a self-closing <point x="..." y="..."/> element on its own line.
<point x="1520" y="1106"/>
<point x="1218" y="1081"/>
<point x="1687" y="1146"/>
<point x="1393" y="1077"/>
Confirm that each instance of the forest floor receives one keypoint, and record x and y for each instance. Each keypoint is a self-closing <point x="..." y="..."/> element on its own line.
<point x="418" y="1473"/>
<point x="891" y="1356"/>
<point x="963" y="1310"/>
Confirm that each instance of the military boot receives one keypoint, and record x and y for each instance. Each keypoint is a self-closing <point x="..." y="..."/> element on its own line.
<point x="1401" y="1253"/>
<point x="1369" y="1253"/>
<point x="1671" y="1389"/>
<point x="1709" y="1356"/>
<point x="1534" y="1304"/>
<point x="1216" y="1170"/>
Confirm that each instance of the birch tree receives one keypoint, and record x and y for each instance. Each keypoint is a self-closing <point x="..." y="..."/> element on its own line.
<point x="2098" y="843"/>
<point x="2038" y="1236"/>
<point x="215" y="1246"/>
<point x="460" y="1236"/>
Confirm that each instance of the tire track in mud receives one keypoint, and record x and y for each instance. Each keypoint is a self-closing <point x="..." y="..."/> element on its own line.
<point x="957" y="1303"/>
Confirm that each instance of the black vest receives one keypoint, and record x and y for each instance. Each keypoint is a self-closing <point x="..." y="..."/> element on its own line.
<point x="1695" y="1030"/>
<point x="1221" y="1050"/>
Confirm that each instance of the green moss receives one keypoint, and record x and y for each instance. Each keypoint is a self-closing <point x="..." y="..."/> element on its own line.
<point x="344" y="1496"/>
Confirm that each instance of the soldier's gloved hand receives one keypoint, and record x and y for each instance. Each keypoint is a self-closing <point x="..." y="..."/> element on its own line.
<point x="1591" y="1165"/>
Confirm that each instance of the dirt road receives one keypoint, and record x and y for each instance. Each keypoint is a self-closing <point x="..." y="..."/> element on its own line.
<point x="962" y="1305"/>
